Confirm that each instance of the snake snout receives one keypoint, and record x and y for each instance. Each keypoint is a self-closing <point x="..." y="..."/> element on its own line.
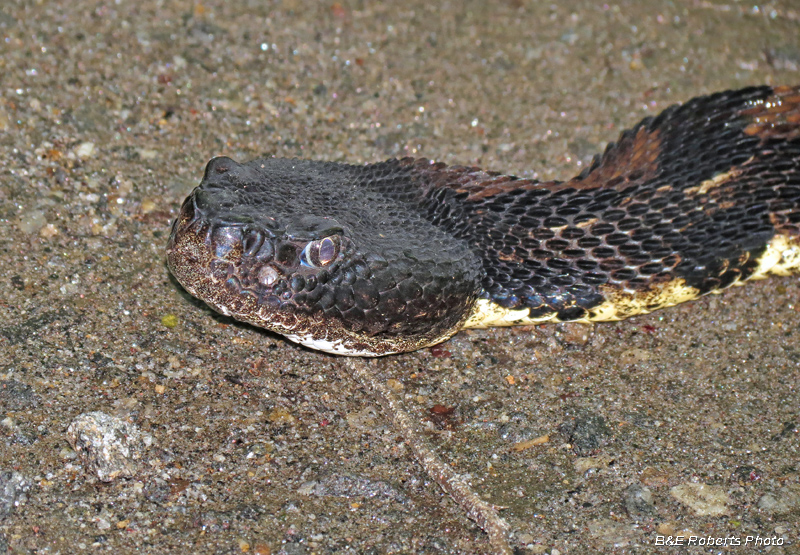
<point x="218" y="166"/>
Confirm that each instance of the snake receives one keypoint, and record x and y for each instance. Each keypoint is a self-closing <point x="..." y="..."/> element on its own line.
<point x="394" y="256"/>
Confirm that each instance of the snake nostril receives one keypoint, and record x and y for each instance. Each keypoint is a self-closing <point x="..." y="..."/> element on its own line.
<point x="265" y="252"/>
<point x="252" y="242"/>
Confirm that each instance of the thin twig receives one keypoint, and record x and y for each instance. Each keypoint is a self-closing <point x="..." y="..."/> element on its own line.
<point x="483" y="513"/>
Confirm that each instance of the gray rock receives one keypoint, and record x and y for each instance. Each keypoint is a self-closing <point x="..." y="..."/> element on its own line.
<point x="110" y="445"/>
<point x="638" y="501"/>
<point x="342" y="485"/>
<point x="586" y="432"/>
<point x="13" y="491"/>
<point x="293" y="549"/>
<point x="780" y="502"/>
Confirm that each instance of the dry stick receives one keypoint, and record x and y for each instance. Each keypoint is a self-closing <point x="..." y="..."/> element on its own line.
<point x="454" y="485"/>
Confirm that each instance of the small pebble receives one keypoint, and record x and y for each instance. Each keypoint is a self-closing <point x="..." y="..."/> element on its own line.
<point x="634" y="356"/>
<point x="147" y="153"/>
<point x="526" y="538"/>
<point x="147" y="206"/>
<point x="48" y="230"/>
<point x="169" y="321"/>
<point x="280" y="415"/>
<point x="31" y="221"/>
<point x="85" y="150"/>
<point x="68" y="454"/>
<point x="703" y="499"/>
<point x="365" y="418"/>
<point x="584" y="464"/>
<point x="259" y="450"/>
<point x="395" y="385"/>
<point x="522" y="445"/>
<point x="666" y="528"/>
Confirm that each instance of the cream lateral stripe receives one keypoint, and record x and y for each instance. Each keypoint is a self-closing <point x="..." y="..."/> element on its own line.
<point x="623" y="304"/>
<point x="620" y="305"/>
<point x="781" y="257"/>
<point x="488" y="314"/>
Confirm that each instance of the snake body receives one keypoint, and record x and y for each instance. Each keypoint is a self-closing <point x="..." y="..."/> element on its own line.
<point x="394" y="256"/>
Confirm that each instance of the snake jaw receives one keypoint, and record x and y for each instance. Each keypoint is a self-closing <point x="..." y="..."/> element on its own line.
<point x="262" y="295"/>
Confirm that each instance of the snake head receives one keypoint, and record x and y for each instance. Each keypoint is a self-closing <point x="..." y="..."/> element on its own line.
<point x="306" y="250"/>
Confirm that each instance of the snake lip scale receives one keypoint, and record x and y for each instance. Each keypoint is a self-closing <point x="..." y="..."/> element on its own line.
<point x="394" y="256"/>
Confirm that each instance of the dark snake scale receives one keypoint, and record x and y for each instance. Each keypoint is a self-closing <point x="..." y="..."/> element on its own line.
<point x="394" y="256"/>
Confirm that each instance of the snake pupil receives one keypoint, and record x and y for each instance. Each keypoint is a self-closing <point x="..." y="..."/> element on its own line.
<point x="327" y="251"/>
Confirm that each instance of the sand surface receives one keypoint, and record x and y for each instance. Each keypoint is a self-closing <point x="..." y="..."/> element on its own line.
<point x="108" y="113"/>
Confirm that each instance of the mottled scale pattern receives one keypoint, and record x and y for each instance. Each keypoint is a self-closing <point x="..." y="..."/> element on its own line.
<point x="703" y="196"/>
<point x="694" y="194"/>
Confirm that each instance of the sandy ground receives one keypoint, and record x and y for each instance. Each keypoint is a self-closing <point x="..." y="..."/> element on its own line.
<point x="108" y="113"/>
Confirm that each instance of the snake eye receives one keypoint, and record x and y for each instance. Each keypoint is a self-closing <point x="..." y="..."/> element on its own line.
<point x="320" y="253"/>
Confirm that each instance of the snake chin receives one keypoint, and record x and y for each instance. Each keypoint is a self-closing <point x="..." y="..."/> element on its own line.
<point x="353" y="348"/>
